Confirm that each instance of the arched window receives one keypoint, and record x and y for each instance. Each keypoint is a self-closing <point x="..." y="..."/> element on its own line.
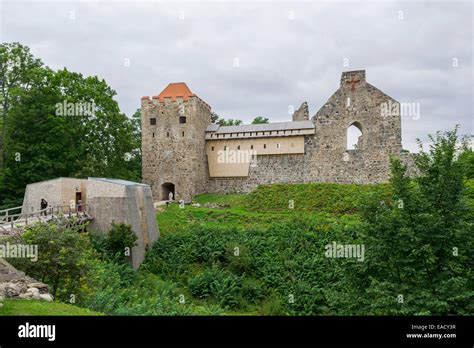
<point x="354" y="132"/>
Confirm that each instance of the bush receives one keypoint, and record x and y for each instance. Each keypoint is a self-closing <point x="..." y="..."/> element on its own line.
<point x="114" y="288"/>
<point x="120" y="240"/>
<point x="272" y="306"/>
<point x="64" y="258"/>
<point x="219" y="284"/>
<point x="252" y="290"/>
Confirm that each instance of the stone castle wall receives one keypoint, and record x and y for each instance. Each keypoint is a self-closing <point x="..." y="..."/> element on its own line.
<point x="291" y="169"/>
<point x="325" y="158"/>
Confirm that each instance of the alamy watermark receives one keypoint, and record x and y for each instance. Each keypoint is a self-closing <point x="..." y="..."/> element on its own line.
<point x="237" y="157"/>
<point x="79" y="109"/>
<point x="347" y="251"/>
<point x="400" y="109"/>
<point x="19" y="251"/>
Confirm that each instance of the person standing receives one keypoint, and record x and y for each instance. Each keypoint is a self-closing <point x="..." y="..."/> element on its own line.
<point x="44" y="205"/>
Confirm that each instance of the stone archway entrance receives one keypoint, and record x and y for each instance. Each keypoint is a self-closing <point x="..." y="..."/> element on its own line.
<point x="166" y="189"/>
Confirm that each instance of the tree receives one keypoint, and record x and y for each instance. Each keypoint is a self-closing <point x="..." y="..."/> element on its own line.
<point x="229" y="122"/>
<point x="18" y="69"/>
<point x="420" y="242"/>
<point x="259" y="119"/>
<point x="64" y="258"/>
<point x="67" y="125"/>
<point x="466" y="159"/>
<point x="134" y="157"/>
<point x="214" y="117"/>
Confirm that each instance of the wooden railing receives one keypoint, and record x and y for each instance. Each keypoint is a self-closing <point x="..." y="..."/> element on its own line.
<point x="11" y="218"/>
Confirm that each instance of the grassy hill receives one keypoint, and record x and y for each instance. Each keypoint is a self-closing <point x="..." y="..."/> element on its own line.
<point x="280" y="251"/>
<point x="263" y="253"/>
<point x="280" y="246"/>
<point x="269" y="204"/>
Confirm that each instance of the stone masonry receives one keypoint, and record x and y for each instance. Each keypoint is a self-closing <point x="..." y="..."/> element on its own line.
<point x="174" y="155"/>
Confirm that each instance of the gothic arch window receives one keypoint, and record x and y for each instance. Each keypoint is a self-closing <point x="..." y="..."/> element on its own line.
<point x="354" y="134"/>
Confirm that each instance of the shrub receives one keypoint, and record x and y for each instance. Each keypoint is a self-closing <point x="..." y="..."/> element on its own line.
<point x="219" y="284"/>
<point x="272" y="306"/>
<point x="120" y="240"/>
<point x="64" y="258"/>
<point x="253" y="290"/>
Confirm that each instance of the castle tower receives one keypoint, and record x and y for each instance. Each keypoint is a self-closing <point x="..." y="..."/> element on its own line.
<point x="357" y="104"/>
<point x="173" y="143"/>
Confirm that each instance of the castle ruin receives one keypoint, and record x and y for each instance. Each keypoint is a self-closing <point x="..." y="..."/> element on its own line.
<point x="183" y="153"/>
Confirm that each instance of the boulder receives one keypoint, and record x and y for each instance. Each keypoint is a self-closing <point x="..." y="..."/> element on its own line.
<point x="12" y="290"/>
<point x="33" y="291"/>
<point x="26" y="295"/>
<point x="43" y="288"/>
<point x="46" y="297"/>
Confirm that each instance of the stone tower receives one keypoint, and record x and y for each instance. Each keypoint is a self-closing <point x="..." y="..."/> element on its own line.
<point x="173" y="143"/>
<point x="356" y="103"/>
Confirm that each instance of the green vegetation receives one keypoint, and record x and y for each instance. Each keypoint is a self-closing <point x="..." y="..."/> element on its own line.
<point x="64" y="258"/>
<point x="329" y="198"/>
<point x="260" y="119"/>
<point x="59" y="123"/>
<point x="120" y="241"/>
<point x="266" y="252"/>
<point x="263" y="253"/>
<point x="35" y="307"/>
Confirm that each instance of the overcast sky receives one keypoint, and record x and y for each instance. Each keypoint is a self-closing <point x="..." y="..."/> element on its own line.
<point x="259" y="58"/>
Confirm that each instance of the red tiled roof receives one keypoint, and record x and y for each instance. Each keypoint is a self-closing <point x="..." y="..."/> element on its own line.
<point x="173" y="90"/>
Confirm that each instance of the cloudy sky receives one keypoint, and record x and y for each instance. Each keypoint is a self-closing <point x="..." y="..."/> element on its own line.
<point x="260" y="58"/>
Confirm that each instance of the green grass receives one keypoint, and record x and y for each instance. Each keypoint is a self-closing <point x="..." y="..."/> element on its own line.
<point x="268" y="204"/>
<point x="338" y="199"/>
<point x="33" y="307"/>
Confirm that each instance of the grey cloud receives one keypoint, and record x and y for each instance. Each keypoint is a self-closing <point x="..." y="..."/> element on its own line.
<point x="283" y="61"/>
